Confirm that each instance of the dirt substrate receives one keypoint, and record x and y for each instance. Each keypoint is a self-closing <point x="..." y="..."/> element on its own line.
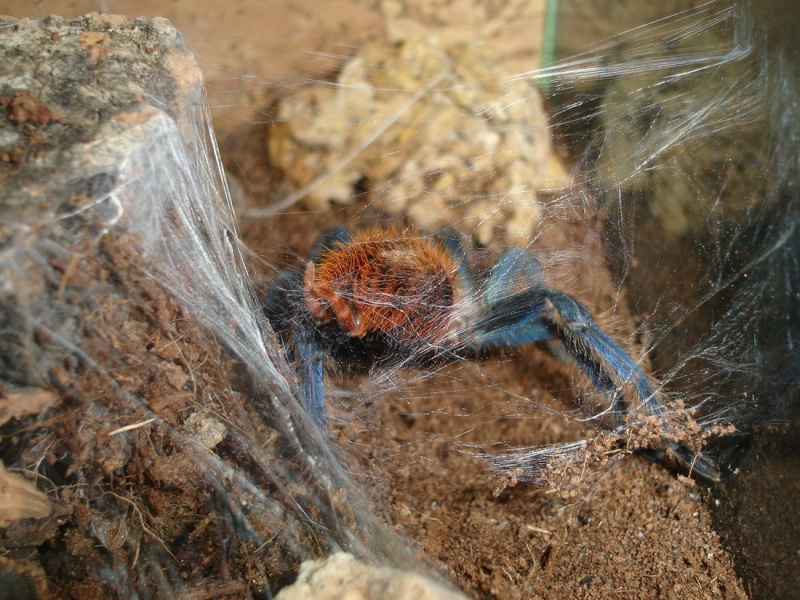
<point x="124" y="453"/>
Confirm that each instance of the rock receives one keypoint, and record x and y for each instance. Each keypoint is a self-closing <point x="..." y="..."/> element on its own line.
<point x="85" y="104"/>
<point x="441" y="134"/>
<point x="342" y="577"/>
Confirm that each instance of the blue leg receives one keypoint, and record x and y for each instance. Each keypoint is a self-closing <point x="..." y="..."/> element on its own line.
<point x="540" y="315"/>
<point x="466" y="281"/>
<point x="284" y="308"/>
<point x="597" y="353"/>
<point x="513" y="321"/>
<point x="309" y="361"/>
<point x="515" y="271"/>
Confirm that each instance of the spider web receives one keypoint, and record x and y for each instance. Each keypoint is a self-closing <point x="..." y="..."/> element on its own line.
<point x="653" y="174"/>
<point x="658" y="183"/>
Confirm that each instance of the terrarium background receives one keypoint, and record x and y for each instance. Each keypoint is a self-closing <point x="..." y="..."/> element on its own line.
<point x="522" y="539"/>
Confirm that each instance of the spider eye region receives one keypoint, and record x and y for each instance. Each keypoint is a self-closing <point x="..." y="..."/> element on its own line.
<point x="384" y="284"/>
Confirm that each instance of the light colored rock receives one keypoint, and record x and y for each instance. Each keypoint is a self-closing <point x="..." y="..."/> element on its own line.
<point x="342" y="577"/>
<point x="513" y="29"/>
<point x="205" y="429"/>
<point x="440" y="132"/>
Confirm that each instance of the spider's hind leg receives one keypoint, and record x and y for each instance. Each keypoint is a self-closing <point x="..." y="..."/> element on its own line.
<point x="612" y="370"/>
<point x="515" y="273"/>
<point x="600" y="357"/>
<point x="541" y="315"/>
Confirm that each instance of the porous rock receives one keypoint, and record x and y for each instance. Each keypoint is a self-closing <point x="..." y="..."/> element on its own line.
<point x="342" y="577"/>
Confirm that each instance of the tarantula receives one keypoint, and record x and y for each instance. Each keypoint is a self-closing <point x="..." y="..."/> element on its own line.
<point x="399" y="296"/>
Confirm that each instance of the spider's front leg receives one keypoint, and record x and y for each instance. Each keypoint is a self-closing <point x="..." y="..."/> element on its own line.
<point x="301" y="340"/>
<point x="296" y="319"/>
<point x="539" y="314"/>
